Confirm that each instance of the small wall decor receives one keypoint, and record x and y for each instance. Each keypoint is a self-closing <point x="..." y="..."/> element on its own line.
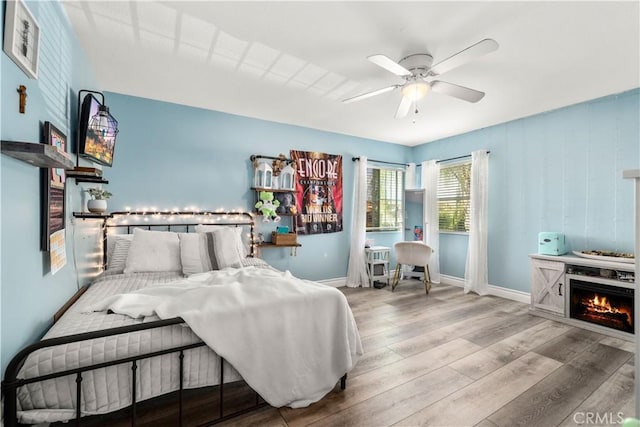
<point x="57" y="251"/>
<point x="263" y="176"/>
<point x="278" y="163"/>
<point x="287" y="178"/>
<point x="53" y="194"/>
<point x="22" y="90"/>
<point x="22" y="37"/>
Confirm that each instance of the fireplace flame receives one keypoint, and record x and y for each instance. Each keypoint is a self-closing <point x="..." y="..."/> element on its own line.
<point x="601" y="304"/>
<point x="600" y="309"/>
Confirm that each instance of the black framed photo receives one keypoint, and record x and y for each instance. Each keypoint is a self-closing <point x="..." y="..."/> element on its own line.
<point x="53" y="194"/>
<point x="22" y="37"/>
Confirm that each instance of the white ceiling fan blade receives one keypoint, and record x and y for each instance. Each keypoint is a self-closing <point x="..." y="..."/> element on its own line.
<point x="403" y="108"/>
<point x="481" y="48"/>
<point x="370" y="94"/>
<point x="461" y="92"/>
<point x="389" y="65"/>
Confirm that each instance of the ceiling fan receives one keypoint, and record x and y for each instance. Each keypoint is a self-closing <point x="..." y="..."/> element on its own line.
<point x="417" y="72"/>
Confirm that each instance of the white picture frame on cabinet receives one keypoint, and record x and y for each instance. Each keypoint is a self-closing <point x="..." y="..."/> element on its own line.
<point x="22" y="37"/>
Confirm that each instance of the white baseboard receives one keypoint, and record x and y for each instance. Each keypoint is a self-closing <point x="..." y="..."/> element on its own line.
<point x="512" y="294"/>
<point x="451" y="280"/>
<point x="338" y="282"/>
<point x="498" y="291"/>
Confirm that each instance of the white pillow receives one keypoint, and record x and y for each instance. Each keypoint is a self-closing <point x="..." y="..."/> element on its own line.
<point x="223" y="248"/>
<point x="242" y="249"/>
<point x="214" y="250"/>
<point x="153" y="251"/>
<point x="193" y="253"/>
<point x="116" y="262"/>
<point x="112" y="239"/>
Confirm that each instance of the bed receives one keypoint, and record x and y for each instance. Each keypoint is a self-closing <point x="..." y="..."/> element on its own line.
<point x="111" y="349"/>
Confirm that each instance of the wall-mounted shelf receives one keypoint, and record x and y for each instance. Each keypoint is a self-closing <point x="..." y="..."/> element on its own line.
<point x="87" y="178"/>
<point x="254" y="157"/>
<point x="86" y="174"/>
<point x="270" y="245"/>
<point x="273" y="245"/>
<point x="273" y="190"/>
<point x="90" y="215"/>
<point x="35" y="154"/>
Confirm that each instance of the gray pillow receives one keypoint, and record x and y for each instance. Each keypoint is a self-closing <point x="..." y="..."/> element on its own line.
<point x="213" y="250"/>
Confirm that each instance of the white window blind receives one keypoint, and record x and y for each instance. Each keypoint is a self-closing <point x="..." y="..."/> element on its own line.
<point x="385" y="192"/>
<point x="454" y="191"/>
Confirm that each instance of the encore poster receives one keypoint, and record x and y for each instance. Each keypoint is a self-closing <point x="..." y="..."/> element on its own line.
<point x="318" y="192"/>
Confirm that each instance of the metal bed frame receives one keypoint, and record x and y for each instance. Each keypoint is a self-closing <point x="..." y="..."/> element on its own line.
<point x="11" y="382"/>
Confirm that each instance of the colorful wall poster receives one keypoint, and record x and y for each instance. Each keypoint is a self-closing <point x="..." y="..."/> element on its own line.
<point x="318" y="192"/>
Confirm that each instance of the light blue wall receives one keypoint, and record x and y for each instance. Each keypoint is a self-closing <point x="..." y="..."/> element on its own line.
<point x="30" y="294"/>
<point x="169" y="155"/>
<point x="556" y="171"/>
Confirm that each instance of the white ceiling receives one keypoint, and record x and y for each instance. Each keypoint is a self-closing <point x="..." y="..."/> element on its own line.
<point x="293" y="62"/>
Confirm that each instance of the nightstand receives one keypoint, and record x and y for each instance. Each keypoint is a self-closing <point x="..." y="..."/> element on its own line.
<point x="377" y="258"/>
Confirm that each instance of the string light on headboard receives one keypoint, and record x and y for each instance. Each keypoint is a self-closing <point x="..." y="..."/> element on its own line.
<point x="220" y="215"/>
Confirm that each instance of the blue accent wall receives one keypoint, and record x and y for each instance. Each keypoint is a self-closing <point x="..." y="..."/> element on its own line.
<point x="30" y="294"/>
<point x="556" y="171"/>
<point x="173" y="156"/>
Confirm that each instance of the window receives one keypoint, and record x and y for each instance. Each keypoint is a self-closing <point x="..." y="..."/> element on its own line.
<point x="385" y="191"/>
<point x="454" y="202"/>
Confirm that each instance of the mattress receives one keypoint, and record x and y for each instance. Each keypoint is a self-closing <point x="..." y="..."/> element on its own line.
<point x="108" y="389"/>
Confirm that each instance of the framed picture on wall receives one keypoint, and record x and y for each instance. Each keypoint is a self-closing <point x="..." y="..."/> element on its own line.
<point x="22" y="37"/>
<point x="53" y="184"/>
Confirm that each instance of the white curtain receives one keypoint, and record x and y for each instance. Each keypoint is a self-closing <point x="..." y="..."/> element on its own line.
<point x="357" y="269"/>
<point x="430" y="176"/>
<point x="410" y="177"/>
<point x="476" y="278"/>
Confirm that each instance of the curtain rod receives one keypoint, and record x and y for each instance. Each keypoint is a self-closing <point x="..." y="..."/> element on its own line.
<point x="456" y="158"/>
<point x="419" y="164"/>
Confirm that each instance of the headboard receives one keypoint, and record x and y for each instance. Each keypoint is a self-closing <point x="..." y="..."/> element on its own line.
<point x="179" y="221"/>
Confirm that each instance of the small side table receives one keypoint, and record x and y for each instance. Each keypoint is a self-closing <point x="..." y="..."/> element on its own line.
<point x="378" y="263"/>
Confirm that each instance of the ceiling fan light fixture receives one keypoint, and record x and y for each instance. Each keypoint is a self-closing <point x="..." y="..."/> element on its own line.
<point x="415" y="91"/>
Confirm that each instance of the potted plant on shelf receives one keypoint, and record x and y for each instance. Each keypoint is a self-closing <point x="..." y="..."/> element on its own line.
<point x="98" y="202"/>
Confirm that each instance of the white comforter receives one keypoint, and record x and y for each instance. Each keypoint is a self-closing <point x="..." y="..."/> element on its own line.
<point x="290" y="339"/>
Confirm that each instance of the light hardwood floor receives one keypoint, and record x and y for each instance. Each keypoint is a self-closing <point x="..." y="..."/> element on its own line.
<point x="455" y="359"/>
